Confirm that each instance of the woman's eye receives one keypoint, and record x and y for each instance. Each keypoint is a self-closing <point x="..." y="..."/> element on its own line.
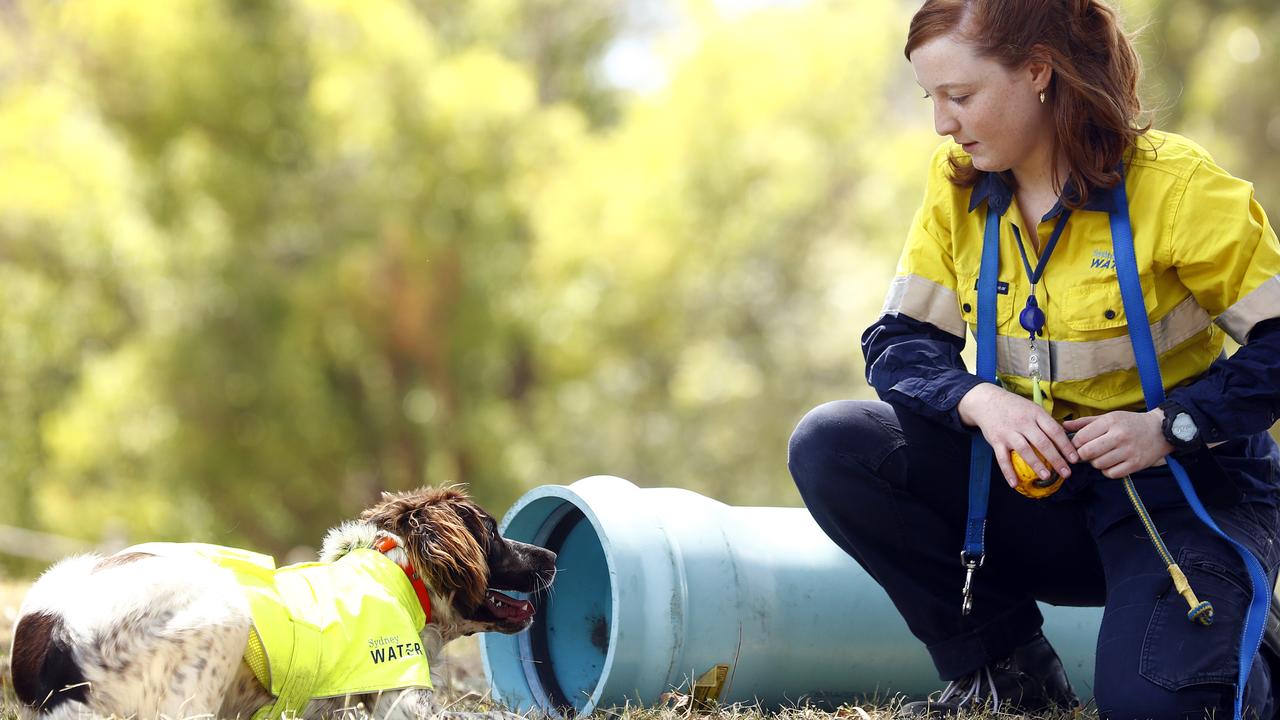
<point x="959" y="99"/>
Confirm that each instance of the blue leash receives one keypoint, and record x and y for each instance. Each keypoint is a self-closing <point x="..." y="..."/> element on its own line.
<point x="973" y="554"/>
<point x="980" y="451"/>
<point x="1153" y="390"/>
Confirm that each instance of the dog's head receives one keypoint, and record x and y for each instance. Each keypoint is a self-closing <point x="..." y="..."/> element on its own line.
<point x="455" y="547"/>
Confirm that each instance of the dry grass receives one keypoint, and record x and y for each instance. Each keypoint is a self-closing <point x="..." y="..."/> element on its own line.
<point x="465" y="687"/>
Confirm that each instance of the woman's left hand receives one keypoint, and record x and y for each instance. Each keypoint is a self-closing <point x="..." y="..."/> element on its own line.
<point x="1120" y="443"/>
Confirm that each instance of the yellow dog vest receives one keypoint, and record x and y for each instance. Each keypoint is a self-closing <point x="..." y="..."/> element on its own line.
<point x="323" y="629"/>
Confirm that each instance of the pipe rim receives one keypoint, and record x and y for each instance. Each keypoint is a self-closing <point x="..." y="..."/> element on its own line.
<point x="570" y="501"/>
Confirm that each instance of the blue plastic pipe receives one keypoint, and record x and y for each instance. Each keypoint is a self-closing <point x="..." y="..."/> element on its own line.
<point x="657" y="586"/>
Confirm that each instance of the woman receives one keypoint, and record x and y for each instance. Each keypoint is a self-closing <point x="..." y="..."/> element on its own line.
<point x="1039" y="102"/>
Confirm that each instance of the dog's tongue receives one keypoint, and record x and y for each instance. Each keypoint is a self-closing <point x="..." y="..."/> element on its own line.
<point x="508" y="608"/>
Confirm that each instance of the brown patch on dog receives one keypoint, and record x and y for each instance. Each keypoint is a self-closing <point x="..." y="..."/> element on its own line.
<point x="445" y="535"/>
<point x="45" y="674"/>
<point x="119" y="559"/>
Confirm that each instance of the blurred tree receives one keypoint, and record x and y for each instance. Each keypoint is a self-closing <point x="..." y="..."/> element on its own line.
<point x="324" y="192"/>
<point x="560" y="42"/>
<point x="702" y="266"/>
<point x="1213" y="71"/>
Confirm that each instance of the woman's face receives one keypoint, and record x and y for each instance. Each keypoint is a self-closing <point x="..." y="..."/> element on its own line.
<point x="993" y="112"/>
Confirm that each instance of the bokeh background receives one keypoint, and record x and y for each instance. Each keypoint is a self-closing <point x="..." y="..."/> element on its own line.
<point x="260" y="260"/>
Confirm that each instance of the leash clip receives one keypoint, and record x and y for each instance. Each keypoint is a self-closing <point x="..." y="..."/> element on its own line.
<point x="971" y="564"/>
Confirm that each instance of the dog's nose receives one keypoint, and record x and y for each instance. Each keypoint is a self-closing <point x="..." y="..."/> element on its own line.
<point x="533" y="551"/>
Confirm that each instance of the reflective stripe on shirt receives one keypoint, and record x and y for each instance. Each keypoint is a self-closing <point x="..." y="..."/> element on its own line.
<point x="1068" y="360"/>
<point x="923" y="299"/>
<point x="1261" y="304"/>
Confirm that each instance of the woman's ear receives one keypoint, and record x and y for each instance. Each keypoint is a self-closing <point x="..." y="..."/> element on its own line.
<point x="1040" y="73"/>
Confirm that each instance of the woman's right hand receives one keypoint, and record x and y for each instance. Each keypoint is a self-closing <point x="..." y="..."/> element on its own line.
<point x="1011" y="422"/>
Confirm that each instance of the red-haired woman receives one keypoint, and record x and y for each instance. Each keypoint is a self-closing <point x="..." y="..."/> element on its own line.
<point x="1048" y="170"/>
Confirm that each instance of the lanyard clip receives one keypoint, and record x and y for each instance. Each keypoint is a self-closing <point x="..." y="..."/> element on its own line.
<point x="971" y="564"/>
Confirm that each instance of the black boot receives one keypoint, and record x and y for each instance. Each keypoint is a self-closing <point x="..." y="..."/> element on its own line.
<point x="1030" y="680"/>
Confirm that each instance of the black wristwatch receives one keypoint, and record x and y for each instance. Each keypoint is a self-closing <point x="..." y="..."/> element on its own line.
<point x="1180" y="429"/>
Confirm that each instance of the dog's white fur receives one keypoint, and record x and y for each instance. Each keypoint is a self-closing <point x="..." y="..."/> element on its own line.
<point x="160" y="636"/>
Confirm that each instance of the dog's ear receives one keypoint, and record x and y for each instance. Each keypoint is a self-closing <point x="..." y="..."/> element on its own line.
<point x="436" y="527"/>
<point x="451" y="555"/>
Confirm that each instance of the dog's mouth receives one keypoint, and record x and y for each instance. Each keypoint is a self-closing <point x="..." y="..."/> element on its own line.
<point x="514" y="567"/>
<point x="506" y="610"/>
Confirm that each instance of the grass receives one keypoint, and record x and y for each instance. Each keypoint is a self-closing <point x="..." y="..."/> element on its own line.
<point x="465" y="687"/>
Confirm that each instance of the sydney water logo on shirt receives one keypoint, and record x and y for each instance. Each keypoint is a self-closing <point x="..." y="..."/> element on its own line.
<point x="1103" y="260"/>
<point x="393" y="648"/>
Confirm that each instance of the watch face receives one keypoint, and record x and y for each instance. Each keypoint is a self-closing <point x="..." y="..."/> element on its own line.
<point x="1183" y="427"/>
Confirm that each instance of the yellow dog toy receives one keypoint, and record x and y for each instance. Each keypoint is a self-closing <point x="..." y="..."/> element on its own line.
<point x="1031" y="484"/>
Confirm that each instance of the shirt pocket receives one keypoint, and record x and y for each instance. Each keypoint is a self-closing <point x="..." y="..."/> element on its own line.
<point x="1098" y="329"/>
<point x="968" y="297"/>
<point x="1096" y="304"/>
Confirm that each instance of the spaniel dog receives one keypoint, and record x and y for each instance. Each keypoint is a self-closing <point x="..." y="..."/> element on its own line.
<point x="186" y="631"/>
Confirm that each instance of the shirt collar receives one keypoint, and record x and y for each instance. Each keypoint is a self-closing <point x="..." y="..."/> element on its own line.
<point x="992" y="188"/>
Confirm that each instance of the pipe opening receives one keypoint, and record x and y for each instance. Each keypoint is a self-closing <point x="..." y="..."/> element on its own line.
<point x="566" y="647"/>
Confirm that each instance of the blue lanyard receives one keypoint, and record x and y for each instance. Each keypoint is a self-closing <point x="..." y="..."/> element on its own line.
<point x="1034" y="275"/>
<point x="1152" y="388"/>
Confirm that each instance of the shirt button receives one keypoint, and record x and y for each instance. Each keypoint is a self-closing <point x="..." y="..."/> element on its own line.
<point x="967" y="307"/>
<point x="1110" y="314"/>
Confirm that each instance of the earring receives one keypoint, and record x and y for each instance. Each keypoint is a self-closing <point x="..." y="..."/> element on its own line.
<point x="1041" y="97"/>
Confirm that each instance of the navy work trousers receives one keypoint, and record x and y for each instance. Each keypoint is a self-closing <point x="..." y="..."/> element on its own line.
<point x="891" y="489"/>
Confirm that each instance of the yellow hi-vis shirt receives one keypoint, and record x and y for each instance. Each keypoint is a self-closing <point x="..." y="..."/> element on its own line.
<point x="1208" y="261"/>
<point x="323" y="629"/>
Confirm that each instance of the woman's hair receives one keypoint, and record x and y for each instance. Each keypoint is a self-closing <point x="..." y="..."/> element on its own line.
<point x="1093" y="89"/>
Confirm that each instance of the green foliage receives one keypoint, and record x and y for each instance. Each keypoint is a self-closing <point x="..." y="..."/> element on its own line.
<point x="256" y="261"/>
<point x="698" y="265"/>
<point x="1212" y="69"/>
<point x="264" y="260"/>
